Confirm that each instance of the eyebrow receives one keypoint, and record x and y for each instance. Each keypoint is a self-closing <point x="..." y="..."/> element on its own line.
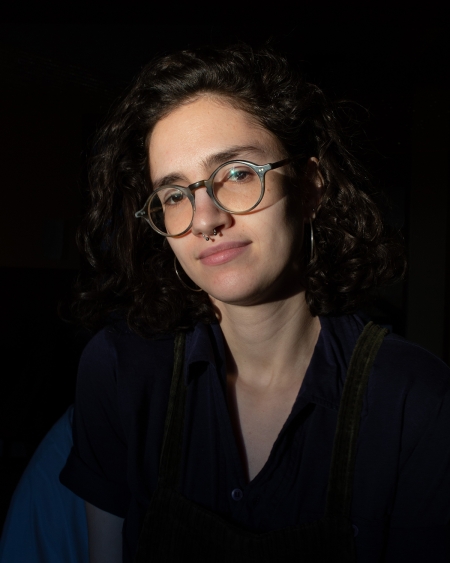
<point x="213" y="160"/>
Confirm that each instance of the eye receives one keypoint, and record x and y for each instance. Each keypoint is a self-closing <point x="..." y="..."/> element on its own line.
<point x="172" y="197"/>
<point x="241" y="174"/>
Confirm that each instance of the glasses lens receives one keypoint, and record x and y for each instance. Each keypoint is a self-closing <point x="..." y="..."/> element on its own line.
<point x="170" y="210"/>
<point x="237" y="187"/>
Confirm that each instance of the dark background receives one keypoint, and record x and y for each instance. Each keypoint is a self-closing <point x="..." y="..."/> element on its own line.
<point x="57" y="82"/>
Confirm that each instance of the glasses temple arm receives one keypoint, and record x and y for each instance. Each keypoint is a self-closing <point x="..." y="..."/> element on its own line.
<point x="279" y="163"/>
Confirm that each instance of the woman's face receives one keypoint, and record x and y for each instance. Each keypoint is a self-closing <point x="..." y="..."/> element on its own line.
<point x="254" y="257"/>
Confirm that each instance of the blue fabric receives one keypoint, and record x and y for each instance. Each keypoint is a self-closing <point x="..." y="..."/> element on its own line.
<point x="401" y="492"/>
<point x="46" y="522"/>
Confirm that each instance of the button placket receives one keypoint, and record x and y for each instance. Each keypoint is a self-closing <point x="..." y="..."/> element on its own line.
<point x="237" y="494"/>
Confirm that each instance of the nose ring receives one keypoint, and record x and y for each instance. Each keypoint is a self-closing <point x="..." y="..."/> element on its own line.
<point x="206" y="237"/>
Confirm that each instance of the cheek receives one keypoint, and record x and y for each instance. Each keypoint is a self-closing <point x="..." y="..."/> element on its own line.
<point x="281" y="224"/>
<point x="288" y="237"/>
<point x="295" y="222"/>
<point x="177" y="249"/>
<point x="180" y="250"/>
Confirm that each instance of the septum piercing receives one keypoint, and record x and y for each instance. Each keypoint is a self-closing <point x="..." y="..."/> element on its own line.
<point x="206" y="237"/>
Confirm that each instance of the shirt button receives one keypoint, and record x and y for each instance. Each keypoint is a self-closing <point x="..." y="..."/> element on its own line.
<point x="236" y="494"/>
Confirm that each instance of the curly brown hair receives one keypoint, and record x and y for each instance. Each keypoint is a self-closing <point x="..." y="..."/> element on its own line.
<point x="132" y="266"/>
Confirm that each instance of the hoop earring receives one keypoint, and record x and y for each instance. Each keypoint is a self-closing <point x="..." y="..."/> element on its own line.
<point x="178" y="276"/>
<point x="311" y="255"/>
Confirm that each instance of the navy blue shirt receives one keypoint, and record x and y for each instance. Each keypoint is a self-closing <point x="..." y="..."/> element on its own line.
<point x="401" y="493"/>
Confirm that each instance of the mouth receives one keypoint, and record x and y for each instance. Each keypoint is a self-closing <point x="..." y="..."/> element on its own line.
<point x="224" y="252"/>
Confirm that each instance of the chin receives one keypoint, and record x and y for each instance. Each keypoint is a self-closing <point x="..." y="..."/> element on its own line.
<point x="232" y="298"/>
<point x="243" y="297"/>
<point x="238" y="291"/>
<point x="232" y="289"/>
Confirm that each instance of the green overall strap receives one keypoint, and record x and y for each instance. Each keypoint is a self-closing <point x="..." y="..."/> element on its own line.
<point x="169" y="466"/>
<point x="339" y="496"/>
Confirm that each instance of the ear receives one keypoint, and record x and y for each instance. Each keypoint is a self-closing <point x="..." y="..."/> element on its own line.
<point x="315" y="187"/>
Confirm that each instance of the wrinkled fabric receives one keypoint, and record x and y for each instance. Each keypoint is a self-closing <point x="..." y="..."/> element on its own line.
<point x="401" y="492"/>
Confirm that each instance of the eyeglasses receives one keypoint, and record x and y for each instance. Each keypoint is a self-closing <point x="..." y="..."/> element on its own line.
<point x="236" y="187"/>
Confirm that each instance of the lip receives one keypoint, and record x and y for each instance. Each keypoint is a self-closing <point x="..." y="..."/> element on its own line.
<point x="223" y="252"/>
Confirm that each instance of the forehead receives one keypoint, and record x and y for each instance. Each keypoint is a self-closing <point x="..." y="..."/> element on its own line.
<point x="195" y="131"/>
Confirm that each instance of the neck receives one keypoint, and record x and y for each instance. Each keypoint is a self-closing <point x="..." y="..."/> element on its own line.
<point x="270" y="343"/>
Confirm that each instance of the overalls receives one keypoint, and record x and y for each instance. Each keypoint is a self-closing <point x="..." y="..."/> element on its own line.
<point x="176" y="529"/>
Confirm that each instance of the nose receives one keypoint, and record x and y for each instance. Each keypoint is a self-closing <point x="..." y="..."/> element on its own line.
<point x="208" y="216"/>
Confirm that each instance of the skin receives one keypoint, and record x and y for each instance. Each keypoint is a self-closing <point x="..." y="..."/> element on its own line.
<point x="104" y="535"/>
<point x="269" y="332"/>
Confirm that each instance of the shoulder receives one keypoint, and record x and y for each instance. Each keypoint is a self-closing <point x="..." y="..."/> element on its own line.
<point x="411" y="388"/>
<point x="413" y="366"/>
<point x="399" y="361"/>
<point x="117" y="345"/>
<point x="121" y="376"/>
<point x="408" y="394"/>
<point x="119" y="366"/>
<point x="408" y="385"/>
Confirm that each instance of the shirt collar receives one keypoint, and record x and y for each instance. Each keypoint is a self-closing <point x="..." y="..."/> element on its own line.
<point x="325" y="376"/>
<point x="204" y="345"/>
<point x="324" y="379"/>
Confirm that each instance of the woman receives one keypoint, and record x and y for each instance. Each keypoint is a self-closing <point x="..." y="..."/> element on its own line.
<point x="226" y="207"/>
